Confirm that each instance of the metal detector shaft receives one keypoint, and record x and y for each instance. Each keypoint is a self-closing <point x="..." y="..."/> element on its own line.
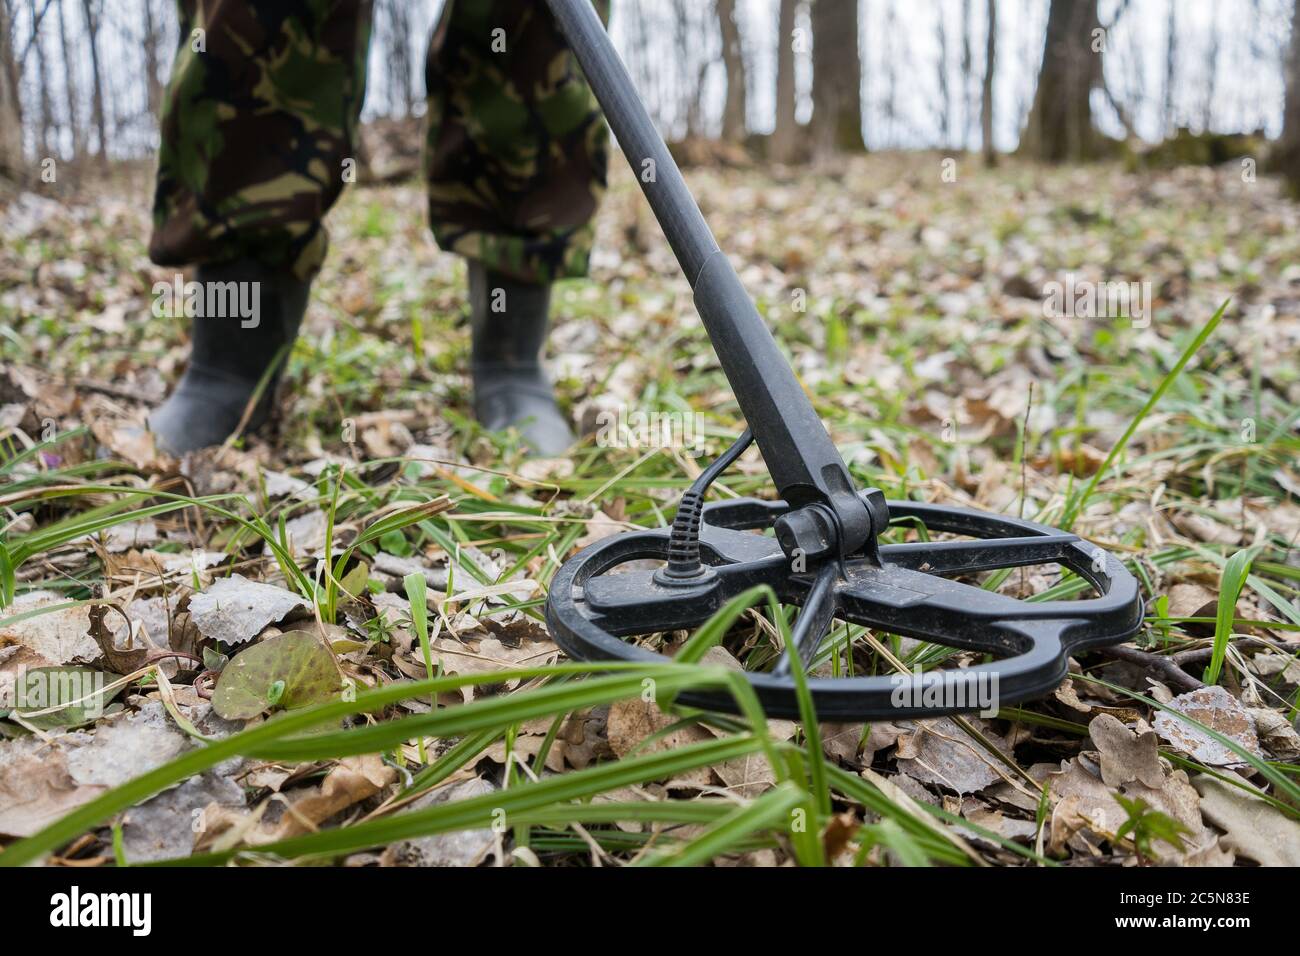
<point x="802" y="459"/>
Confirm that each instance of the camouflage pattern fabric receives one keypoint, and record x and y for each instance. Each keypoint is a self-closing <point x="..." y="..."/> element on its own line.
<point x="259" y="124"/>
<point x="260" y="115"/>
<point x="517" y="148"/>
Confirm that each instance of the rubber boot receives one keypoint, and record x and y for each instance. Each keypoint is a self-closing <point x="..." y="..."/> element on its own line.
<point x="229" y="354"/>
<point x="509" y="322"/>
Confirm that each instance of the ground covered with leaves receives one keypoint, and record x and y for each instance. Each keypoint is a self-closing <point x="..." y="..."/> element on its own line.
<point x="326" y="642"/>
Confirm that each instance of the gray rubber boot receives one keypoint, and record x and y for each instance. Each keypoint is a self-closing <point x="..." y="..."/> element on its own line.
<point x="509" y="321"/>
<point x="228" y="360"/>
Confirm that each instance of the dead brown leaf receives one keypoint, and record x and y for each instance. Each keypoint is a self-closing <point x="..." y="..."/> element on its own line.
<point x="1125" y="755"/>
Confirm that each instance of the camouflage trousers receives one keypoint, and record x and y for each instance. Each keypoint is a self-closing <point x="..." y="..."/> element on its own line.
<point x="259" y="130"/>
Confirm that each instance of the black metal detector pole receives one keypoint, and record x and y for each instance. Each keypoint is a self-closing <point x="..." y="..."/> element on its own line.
<point x="802" y="459"/>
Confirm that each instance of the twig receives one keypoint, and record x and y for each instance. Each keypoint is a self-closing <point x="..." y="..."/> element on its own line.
<point x="1167" y="667"/>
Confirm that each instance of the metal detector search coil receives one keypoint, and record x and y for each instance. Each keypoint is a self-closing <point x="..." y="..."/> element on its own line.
<point x="823" y="554"/>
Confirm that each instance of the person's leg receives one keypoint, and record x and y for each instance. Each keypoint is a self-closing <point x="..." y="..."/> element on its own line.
<point x="257" y="130"/>
<point x="515" y="161"/>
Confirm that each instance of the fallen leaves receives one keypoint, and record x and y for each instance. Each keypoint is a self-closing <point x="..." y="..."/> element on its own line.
<point x="164" y="827"/>
<point x="1251" y="827"/>
<point x="640" y="726"/>
<point x="351" y="781"/>
<point x="1125" y="756"/>
<point x="36" y="787"/>
<point x="43" y="779"/>
<point x="59" y="636"/>
<point x="235" y="610"/>
<point x="1221" y="712"/>
<point x="461" y="848"/>
<point x="1085" y="791"/>
<point x="138" y="649"/>
<point x="939" y="752"/>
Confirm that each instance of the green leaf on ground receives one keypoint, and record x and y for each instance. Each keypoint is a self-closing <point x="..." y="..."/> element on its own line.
<point x="292" y="670"/>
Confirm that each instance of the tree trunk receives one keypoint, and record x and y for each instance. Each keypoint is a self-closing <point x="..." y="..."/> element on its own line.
<point x="986" y="103"/>
<point x="945" y="111"/>
<point x="1211" y="72"/>
<point x="967" y="77"/>
<point x="1286" y="155"/>
<point x="101" y="120"/>
<point x="70" y="86"/>
<point x="397" y="40"/>
<point x="1059" y="128"/>
<point x="837" y="78"/>
<point x="42" y="79"/>
<point x="733" y="59"/>
<point x="1171" y="61"/>
<point x="152" y="61"/>
<point x="12" y="165"/>
<point x="785" y="136"/>
<point x="690" y="99"/>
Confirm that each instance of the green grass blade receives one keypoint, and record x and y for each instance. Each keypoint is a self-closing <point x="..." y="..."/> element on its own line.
<point x="487" y="810"/>
<point x="773" y="809"/>
<point x="1077" y="504"/>
<point x="1231" y="581"/>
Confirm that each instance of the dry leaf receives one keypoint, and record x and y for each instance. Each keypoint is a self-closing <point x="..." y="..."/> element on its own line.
<point x="1221" y="712"/>
<point x="842" y="740"/>
<point x="632" y="721"/>
<point x="1126" y="756"/>
<point x="1276" y="733"/>
<point x="125" y="746"/>
<point x="125" y="658"/>
<point x="750" y="775"/>
<point x="352" y="780"/>
<point x="940" y="752"/>
<point x="1251" y="827"/>
<point x="163" y="827"/>
<point x="1188" y="600"/>
<point x="458" y="848"/>
<point x="36" y="787"/>
<point x="133" y="443"/>
<point x="60" y="637"/>
<point x="1090" y="798"/>
<point x="234" y="609"/>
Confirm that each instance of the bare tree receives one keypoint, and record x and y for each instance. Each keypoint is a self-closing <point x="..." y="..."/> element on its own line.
<point x="945" y="112"/>
<point x="891" y="76"/>
<point x="1059" y="128"/>
<point x="784" y="136"/>
<point x="837" y="78"/>
<point x="967" y="76"/>
<point x="986" y="103"/>
<point x="393" y="17"/>
<point x="1171" y="63"/>
<point x="690" y="94"/>
<point x="1211" y="71"/>
<point x="152" y="60"/>
<point x="11" y="113"/>
<point x="733" y="61"/>
<point x="91" y="11"/>
<point x="70" y="86"/>
<point x="1286" y="154"/>
<point x="45" y="111"/>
